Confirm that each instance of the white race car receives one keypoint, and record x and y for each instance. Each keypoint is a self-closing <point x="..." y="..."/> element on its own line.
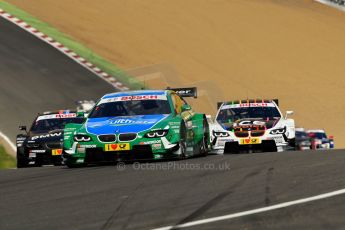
<point x="251" y="126"/>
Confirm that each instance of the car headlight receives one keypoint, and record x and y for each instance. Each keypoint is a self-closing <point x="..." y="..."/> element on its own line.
<point x="157" y="133"/>
<point x="82" y="138"/>
<point x="220" y="134"/>
<point x="278" y="131"/>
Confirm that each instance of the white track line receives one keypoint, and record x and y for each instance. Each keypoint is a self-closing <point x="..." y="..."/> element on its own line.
<point x="65" y="50"/>
<point x="9" y="142"/>
<point x="255" y="211"/>
<point x="328" y="3"/>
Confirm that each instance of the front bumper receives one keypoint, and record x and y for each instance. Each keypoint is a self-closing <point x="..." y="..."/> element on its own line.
<point x="265" y="144"/>
<point x="40" y="156"/>
<point x="137" y="153"/>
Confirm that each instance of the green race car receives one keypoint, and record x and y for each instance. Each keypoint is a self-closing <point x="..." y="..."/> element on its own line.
<point x="138" y="125"/>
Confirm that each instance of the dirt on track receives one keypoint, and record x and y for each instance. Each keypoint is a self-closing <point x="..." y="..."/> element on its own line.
<point x="293" y="50"/>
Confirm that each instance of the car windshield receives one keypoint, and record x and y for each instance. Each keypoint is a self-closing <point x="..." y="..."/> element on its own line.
<point x="230" y="115"/>
<point x="320" y="135"/>
<point x="46" y="125"/>
<point x="131" y="108"/>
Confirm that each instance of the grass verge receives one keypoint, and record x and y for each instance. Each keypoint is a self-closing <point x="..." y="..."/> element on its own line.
<point x="6" y="161"/>
<point x="69" y="42"/>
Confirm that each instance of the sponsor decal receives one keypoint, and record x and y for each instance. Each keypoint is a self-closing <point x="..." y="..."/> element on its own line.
<point x="56" y="116"/>
<point x="250" y="141"/>
<point x="87" y="146"/>
<point x="37" y="151"/>
<point x="174" y="123"/>
<point x="278" y="139"/>
<point x="244" y="105"/>
<point x="245" y="122"/>
<point x="156" y="146"/>
<point x="150" y="142"/>
<point x="46" y="136"/>
<point x="189" y="124"/>
<point x="133" y="98"/>
<point x="157" y="156"/>
<point x="221" y="142"/>
<point x="81" y="150"/>
<point x="32" y="154"/>
<point x="131" y="122"/>
<point x="56" y="152"/>
<point x="116" y="147"/>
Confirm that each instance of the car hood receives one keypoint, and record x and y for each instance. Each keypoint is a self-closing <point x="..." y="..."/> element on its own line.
<point x="54" y="135"/>
<point x="128" y="124"/>
<point x="251" y="122"/>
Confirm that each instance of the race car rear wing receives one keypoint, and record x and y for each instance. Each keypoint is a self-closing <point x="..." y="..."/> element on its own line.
<point x="185" y="92"/>
<point x="219" y="104"/>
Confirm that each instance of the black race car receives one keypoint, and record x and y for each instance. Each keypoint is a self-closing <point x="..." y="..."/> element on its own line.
<point x="42" y="144"/>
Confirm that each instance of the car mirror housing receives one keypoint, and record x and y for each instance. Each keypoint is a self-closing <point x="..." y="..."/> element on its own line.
<point x="186" y="107"/>
<point x="80" y="114"/>
<point x="23" y="128"/>
<point x="288" y="113"/>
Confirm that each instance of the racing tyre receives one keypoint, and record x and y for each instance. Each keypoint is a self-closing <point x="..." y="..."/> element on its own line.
<point x="21" y="163"/>
<point x="204" y="144"/>
<point x="183" y="141"/>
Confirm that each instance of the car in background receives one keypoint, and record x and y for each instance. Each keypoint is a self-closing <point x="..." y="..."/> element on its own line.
<point x="303" y="140"/>
<point x="138" y="125"/>
<point x="42" y="143"/>
<point x="252" y="126"/>
<point x="320" y="140"/>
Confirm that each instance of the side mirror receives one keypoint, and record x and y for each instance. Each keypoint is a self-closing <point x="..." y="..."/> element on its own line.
<point x="331" y="137"/>
<point x="288" y="113"/>
<point x="23" y="128"/>
<point x="186" y="107"/>
<point x="80" y="114"/>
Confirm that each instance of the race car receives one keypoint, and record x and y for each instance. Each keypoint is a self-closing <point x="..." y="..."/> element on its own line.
<point x="42" y="144"/>
<point x="303" y="140"/>
<point x="252" y="126"/>
<point x="138" y="125"/>
<point x="320" y="140"/>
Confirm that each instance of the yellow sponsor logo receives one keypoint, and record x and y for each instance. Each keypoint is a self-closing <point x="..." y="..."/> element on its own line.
<point x="116" y="147"/>
<point x="56" y="152"/>
<point x="250" y="141"/>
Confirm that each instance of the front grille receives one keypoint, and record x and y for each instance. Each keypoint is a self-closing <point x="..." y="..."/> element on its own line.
<point x="54" y="145"/>
<point x="127" y="136"/>
<point x="241" y="133"/>
<point x="107" y="138"/>
<point x="257" y="133"/>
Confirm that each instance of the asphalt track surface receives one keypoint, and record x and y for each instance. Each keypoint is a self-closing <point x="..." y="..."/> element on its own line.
<point x="170" y="193"/>
<point x="35" y="76"/>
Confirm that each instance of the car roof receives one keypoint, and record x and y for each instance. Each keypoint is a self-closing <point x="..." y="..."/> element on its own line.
<point x="245" y="101"/>
<point x="316" y="131"/>
<point x="62" y="111"/>
<point x="135" y="93"/>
